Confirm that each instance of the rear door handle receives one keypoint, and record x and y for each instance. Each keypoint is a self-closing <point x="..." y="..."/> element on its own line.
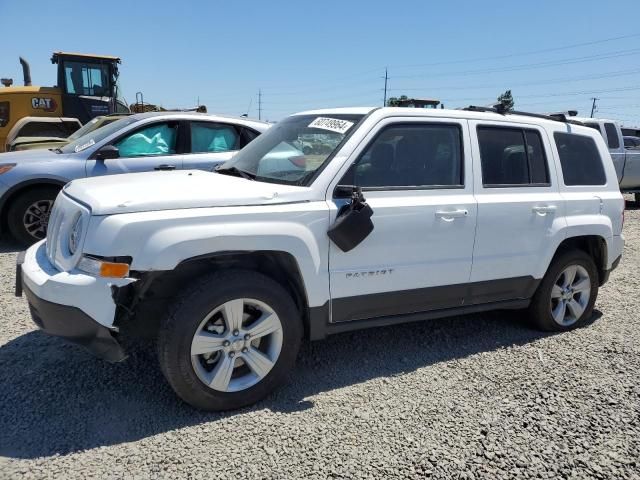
<point x="451" y="214"/>
<point x="164" y="166"/>
<point x="544" y="209"/>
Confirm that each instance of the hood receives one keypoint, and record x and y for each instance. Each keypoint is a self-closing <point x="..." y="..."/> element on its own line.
<point x="31" y="156"/>
<point x="57" y="140"/>
<point x="151" y="191"/>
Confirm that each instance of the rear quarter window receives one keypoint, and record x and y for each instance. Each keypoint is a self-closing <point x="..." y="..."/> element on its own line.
<point x="612" y="135"/>
<point x="48" y="129"/>
<point x="580" y="159"/>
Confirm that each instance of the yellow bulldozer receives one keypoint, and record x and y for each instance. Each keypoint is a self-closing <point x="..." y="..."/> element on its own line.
<point x="86" y="88"/>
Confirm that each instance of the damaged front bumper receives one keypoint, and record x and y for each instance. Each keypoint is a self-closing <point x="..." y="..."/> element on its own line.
<point x="72" y="305"/>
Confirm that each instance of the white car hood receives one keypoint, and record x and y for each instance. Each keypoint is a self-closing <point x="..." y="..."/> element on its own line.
<point x="150" y="191"/>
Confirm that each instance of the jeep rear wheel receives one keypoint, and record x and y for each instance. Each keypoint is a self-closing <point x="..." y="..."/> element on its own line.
<point x="231" y="339"/>
<point x="567" y="293"/>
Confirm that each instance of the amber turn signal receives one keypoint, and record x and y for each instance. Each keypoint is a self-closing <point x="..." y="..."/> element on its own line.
<point x="117" y="270"/>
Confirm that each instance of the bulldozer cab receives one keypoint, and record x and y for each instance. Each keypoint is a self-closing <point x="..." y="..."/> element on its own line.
<point x="86" y="88"/>
<point x="88" y="84"/>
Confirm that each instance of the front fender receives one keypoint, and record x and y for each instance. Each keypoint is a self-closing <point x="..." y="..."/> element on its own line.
<point x="161" y="240"/>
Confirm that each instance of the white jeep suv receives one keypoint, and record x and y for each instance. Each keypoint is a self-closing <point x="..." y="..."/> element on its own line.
<point x="332" y="220"/>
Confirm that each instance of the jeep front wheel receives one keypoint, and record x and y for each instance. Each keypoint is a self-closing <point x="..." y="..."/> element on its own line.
<point x="230" y="340"/>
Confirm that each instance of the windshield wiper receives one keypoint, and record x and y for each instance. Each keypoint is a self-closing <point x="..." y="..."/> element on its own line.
<point x="236" y="172"/>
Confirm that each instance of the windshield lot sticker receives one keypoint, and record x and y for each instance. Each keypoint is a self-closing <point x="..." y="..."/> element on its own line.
<point x="332" y="124"/>
<point x="84" y="146"/>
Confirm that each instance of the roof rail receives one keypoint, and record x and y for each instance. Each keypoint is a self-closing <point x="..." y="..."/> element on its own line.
<point x="557" y="117"/>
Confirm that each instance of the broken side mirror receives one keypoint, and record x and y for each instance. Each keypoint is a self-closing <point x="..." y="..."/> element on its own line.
<point x="353" y="223"/>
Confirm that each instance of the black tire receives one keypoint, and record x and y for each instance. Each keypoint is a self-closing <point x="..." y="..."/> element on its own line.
<point x="637" y="198"/>
<point x="193" y="305"/>
<point x="540" y="307"/>
<point x="18" y="209"/>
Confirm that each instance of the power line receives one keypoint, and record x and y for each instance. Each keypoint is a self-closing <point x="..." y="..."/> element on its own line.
<point x="528" y="66"/>
<point x="619" y="106"/>
<point x="581" y="92"/>
<point x="527" y="84"/>
<point x="512" y="68"/>
<point x="521" y="54"/>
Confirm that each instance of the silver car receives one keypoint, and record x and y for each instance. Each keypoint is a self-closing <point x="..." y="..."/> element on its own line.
<point x="30" y="180"/>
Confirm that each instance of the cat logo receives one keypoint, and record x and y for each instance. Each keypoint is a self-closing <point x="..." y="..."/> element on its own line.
<point x="44" y="103"/>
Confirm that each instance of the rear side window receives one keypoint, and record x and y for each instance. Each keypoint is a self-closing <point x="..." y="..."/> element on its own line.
<point x="512" y="157"/>
<point x="612" y="135"/>
<point x="213" y="137"/>
<point x="580" y="159"/>
<point x="4" y="113"/>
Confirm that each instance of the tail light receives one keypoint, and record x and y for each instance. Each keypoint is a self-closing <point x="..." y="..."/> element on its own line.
<point x="299" y="161"/>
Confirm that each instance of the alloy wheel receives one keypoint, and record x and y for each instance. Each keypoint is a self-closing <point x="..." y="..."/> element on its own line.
<point x="36" y="218"/>
<point x="570" y="295"/>
<point x="236" y="345"/>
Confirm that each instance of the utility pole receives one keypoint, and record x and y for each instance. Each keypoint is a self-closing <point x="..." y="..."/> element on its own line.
<point x="386" y="79"/>
<point x="593" y="105"/>
<point x="259" y="104"/>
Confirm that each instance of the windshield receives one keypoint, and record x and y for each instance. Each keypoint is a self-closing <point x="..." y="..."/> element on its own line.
<point x="90" y="126"/>
<point x="294" y="149"/>
<point x="85" y="141"/>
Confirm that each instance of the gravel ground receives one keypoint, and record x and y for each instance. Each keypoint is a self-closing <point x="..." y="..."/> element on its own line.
<point x="480" y="396"/>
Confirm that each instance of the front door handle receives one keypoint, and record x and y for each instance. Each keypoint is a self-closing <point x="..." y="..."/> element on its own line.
<point x="164" y="166"/>
<point x="544" y="209"/>
<point x="449" y="215"/>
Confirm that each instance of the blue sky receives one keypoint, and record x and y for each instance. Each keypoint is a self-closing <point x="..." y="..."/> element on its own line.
<point x="553" y="55"/>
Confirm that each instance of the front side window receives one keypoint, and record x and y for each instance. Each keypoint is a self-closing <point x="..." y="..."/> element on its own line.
<point x="580" y="159"/>
<point x="86" y="79"/>
<point x="411" y="155"/>
<point x="612" y="135"/>
<point x="156" y="139"/>
<point x="294" y="150"/>
<point x="512" y="157"/>
<point x="213" y="137"/>
<point x="4" y="114"/>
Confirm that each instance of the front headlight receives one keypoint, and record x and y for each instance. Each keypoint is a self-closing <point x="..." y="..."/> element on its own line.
<point x="74" y="235"/>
